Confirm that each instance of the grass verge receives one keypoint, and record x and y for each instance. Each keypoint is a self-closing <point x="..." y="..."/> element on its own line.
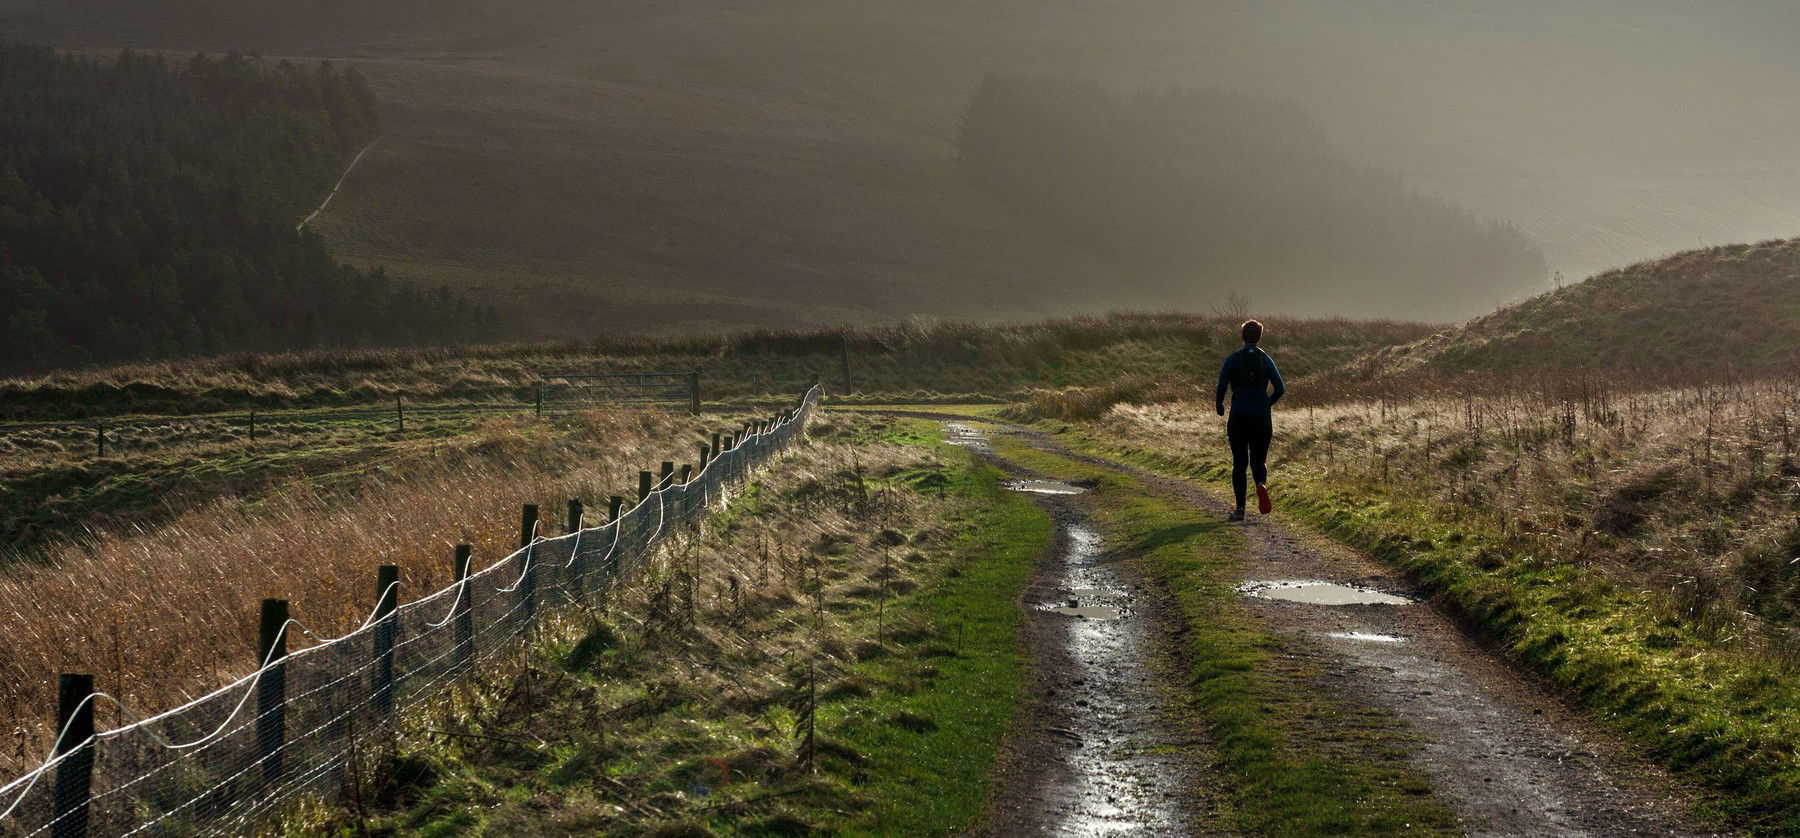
<point x="837" y="654"/>
<point x="1296" y="760"/>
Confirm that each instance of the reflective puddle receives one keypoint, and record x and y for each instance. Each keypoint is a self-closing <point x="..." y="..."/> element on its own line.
<point x="1321" y="593"/>
<point x="1366" y="637"/>
<point x="1120" y="774"/>
<point x="957" y="433"/>
<point x="1044" y="487"/>
<point x="1085" y="612"/>
<point x="1097" y="593"/>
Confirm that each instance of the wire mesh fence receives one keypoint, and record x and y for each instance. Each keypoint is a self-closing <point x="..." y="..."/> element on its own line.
<point x="218" y="764"/>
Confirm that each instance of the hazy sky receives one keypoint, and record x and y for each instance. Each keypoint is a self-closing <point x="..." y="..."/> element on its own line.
<point x="1609" y="131"/>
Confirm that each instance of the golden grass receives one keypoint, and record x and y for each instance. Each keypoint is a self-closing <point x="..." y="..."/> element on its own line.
<point x="163" y="614"/>
<point x="1692" y="491"/>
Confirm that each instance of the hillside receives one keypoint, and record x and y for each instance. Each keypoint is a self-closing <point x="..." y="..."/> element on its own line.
<point x="147" y="210"/>
<point x="1703" y="314"/>
<point x="640" y="169"/>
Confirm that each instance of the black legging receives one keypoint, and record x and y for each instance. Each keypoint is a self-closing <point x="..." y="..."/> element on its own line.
<point x="1249" y="436"/>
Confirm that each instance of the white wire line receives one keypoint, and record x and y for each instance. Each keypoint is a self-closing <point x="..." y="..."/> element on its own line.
<point x="525" y="568"/>
<point x="27" y="782"/>
<point x="92" y="697"/>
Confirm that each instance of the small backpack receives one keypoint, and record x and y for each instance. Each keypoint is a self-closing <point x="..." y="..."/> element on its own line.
<point x="1252" y="371"/>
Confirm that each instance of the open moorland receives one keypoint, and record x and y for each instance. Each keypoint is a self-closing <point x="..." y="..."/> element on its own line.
<point x="1571" y="594"/>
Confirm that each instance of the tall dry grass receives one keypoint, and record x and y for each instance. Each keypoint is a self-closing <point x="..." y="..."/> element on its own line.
<point x="162" y="615"/>
<point x="1693" y="491"/>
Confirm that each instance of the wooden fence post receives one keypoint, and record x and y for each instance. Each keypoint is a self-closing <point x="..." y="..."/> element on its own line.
<point x="715" y="444"/>
<point x="75" y="774"/>
<point x="615" y="503"/>
<point x="528" y="519"/>
<point x="271" y="689"/>
<point x="574" y="571"/>
<point x="668" y="475"/>
<point x="694" y="393"/>
<point x="465" y="617"/>
<point x="400" y="413"/>
<point x="539" y="410"/>
<point x="253" y="424"/>
<point x="387" y="593"/>
<point x="100" y="437"/>
<point x="644" y="484"/>
<point x="704" y="456"/>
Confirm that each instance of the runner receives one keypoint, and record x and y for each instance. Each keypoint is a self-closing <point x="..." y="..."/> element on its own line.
<point x="1249" y="372"/>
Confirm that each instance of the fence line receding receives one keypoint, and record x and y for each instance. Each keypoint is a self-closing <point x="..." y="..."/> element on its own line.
<point x="219" y="763"/>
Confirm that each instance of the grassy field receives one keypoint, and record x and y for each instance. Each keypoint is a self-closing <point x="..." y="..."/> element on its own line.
<point x="1634" y="548"/>
<point x="162" y="602"/>
<point x="917" y="361"/>
<point x="836" y="654"/>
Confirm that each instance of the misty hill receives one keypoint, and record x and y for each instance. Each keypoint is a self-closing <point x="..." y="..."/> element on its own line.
<point x="593" y="168"/>
<point x="1712" y="313"/>
<point x="147" y="210"/>
<point x="1202" y="186"/>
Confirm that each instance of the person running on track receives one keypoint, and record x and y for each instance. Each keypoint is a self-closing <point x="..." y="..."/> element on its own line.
<point x="1249" y="372"/>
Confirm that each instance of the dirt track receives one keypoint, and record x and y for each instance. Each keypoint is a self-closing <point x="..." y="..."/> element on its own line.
<point x="1098" y="749"/>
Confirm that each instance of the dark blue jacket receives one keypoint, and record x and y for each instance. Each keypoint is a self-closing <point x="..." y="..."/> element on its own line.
<point x="1237" y="373"/>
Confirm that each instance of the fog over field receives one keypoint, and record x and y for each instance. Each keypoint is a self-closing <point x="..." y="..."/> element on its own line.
<point x="633" y="165"/>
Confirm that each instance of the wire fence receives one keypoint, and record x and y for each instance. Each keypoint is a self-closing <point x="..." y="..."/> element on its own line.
<point x="220" y="763"/>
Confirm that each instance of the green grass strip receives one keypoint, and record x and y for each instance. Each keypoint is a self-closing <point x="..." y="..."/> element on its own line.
<point x="936" y="783"/>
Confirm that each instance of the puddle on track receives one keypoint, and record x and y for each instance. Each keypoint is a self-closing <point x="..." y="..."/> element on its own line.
<point x="1321" y="593"/>
<point x="1122" y="778"/>
<point x="1365" y="637"/>
<point x="1097" y="593"/>
<point x="957" y="433"/>
<point x="1043" y="487"/>
<point x="1086" y="612"/>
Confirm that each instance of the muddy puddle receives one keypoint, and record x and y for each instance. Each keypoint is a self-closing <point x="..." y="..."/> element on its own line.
<point x="1321" y="593"/>
<point x="1121" y="780"/>
<point x="957" y="433"/>
<point x="1365" y="637"/>
<point x="1043" y="487"/>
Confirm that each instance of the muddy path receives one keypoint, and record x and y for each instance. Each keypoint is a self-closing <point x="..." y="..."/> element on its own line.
<point x="1508" y="755"/>
<point x="1100" y="749"/>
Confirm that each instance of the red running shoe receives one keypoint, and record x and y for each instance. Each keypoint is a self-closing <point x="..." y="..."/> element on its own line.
<point x="1263" y="503"/>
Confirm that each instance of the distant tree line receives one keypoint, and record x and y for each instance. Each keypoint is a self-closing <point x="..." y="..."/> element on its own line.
<point x="148" y="207"/>
<point x="285" y="26"/>
<point x="1206" y="192"/>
